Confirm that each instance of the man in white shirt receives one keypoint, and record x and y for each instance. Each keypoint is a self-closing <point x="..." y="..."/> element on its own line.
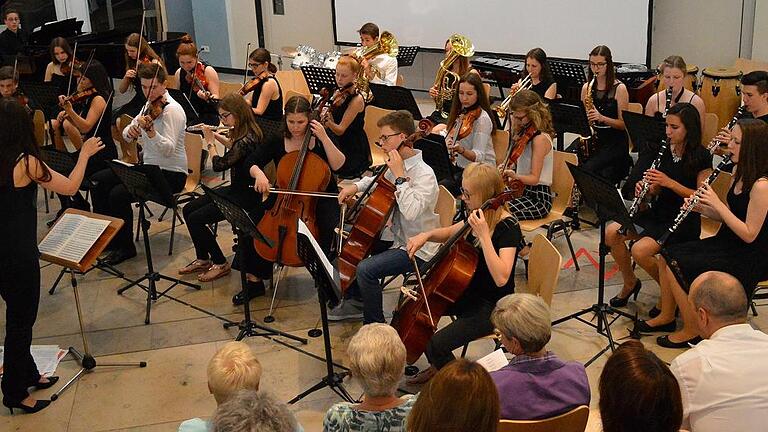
<point x="415" y="199"/>
<point x="723" y="381"/>
<point x="162" y="142"/>
<point x="384" y="64"/>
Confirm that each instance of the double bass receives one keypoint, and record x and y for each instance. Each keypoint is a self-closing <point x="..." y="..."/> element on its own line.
<point x="371" y="217"/>
<point x="301" y="171"/>
<point x="449" y="274"/>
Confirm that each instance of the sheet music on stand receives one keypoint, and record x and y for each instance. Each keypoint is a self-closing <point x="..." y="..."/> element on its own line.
<point x="72" y="237"/>
<point x="318" y="78"/>
<point x="395" y="98"/>
<point x="331" y="273"/>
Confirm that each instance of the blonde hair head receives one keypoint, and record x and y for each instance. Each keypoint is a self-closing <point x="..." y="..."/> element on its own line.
<point x="234" y="367"/>
<point x="529" y="102"/>
<point x="486" y="181"/>
<point x="377" y="359"/>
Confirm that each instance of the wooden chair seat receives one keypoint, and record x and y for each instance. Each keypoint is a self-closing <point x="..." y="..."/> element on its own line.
<point x="574" y="420"/>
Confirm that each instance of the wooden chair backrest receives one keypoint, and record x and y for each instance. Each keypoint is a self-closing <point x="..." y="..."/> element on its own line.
<point x="292" y="80"/>
<point x="38" y="119"/>
<point x="562" y="181"/>
<point x="635" y="108"/>
<point x="543" y="268"/>
<point x="372" y="116"/>
<point x="227" y="88"/>
<point x="400" y="80"/>
<point x="445" y="207"/>
<point x="574" y="420"/>
<point x="709" y="226"/>
<point x="291" y="93"/>
<point x="500" y="144"/>
<point x="128" y="149"/>
<point x="709" y="128"/>
<point x="193" y="145"/>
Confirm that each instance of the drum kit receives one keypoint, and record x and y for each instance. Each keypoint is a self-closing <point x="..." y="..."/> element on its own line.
<point x="305" y="55"/>
<point x="719" y="87"/>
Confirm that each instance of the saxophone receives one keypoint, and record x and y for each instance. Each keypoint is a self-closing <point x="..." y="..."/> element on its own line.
<point x="587" y="145"/>
<point x="446" y="87"/>
<point x="387" y="44"/>
<point x="646" y="185"/>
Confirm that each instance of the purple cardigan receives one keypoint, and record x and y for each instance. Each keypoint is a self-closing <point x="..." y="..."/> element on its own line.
<point x="537" y="388"/>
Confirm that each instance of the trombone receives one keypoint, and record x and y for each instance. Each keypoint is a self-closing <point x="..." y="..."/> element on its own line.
<point x="502" y="109"/>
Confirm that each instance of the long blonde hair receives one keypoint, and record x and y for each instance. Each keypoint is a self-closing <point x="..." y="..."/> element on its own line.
<point x="487" y="182"/>
<point x="537" y="111"/>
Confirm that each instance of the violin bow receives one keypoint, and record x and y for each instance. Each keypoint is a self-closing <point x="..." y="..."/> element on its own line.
<point x="194" y="77"/>
<point x="414" y="296"/>
<point x="247" y="55"/>
<point x="72" y="68"/>
<point x="149" y="100"/>
<point x="141" y="36"/>
<point x="106" y="107"/>
<point x="87" y="65"/>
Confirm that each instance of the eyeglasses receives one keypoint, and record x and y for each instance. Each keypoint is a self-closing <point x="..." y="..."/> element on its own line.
<point x="224" y="115"/>
<point x="384" y="138"/>
<point x="519" y="118"/>
<point x="464" y="192"/>
<point x="253" y="65"/>
<point x="601" y="64"/>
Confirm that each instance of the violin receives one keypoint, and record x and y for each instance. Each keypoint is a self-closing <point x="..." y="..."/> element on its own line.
<point x="79" y="96"/>
<point x="153" y="109"/>
<point x="342" y="93"/>
<point x="198" y="81"/>
<point x="371" y="218"/>
<point x="22" y="99"/>
<point x="66" y="67"/>
<point x="467" y="122"/>
<point x="250" y="85"/>
<point x="299" y="170"/>
<point x="449" y="274"/>
<point x="525" y="135"/>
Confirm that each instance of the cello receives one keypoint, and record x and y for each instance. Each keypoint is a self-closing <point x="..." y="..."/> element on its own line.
<point x="371" y="218"/>
<point x="449" y="274"/>
<point x="301" y="171"/>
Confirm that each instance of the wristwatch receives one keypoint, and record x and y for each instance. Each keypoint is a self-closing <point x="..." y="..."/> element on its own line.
<point x="400" y="180"/>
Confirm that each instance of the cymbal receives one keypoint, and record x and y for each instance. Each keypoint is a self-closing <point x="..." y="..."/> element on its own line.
<point x="289" y="51"/>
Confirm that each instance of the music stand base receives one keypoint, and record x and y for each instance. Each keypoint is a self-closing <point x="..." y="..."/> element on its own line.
<point x="603" y="326"/>
<point x="151" y="290"/>
<point x="251" y="328"/>
<point x="101" y="265"/>
<point x="334" y="381"/>
<point x="87" y="364"/>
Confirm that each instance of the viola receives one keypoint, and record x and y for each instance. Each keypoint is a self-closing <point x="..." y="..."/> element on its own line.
<point x="303" y="171"/>
<point x="467" y="123"/>
<point x="449" y="274"/>
<point x="250" y="85"/>
<point x="371" y="218"/>
<point x="525" y="135"/>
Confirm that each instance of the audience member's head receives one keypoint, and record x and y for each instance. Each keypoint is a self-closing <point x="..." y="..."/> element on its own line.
<point x="524" y="323"/>
<point x="233" y="368"/>
<point x="377" y="359"/>
<point x="460" y="397"/>
<point x="638" y="392"/>
<point x="718" y="300"/>
<point x="251" y="411"/>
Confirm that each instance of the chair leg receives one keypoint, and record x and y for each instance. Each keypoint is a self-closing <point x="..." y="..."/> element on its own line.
<point x="559" y="225"/>
<point x="160" y="219"/>
<point x="47" y="205"/>
<point x="173" y="228"/>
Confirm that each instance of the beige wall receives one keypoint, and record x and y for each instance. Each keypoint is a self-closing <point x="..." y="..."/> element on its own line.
<point x="306" y="22"/>
<point x="760" y="39"/>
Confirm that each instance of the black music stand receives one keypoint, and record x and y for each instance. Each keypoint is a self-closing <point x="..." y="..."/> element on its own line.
<point x="569" y="78"/>
<point x="318" y="78"/>
<point x="643" y="130"/>
<point x="395" y="98"/>
<point x="241" y="223"/>
<point x="406" y="55"/>
<point x="327" y="294"/>
<point x="608" y="205"/>
<point x="147" y="185"/>
<point x="43" y="96"/>
<point x="569" y="117"/>
<point x="435" y="154"/>
<point x="270" y="128"/>
<point x="193" y="117"/>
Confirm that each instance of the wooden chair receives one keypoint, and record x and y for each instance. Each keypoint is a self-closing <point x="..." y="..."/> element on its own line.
<point x="194" y="148"/>
<point x="292" y="80"/>
<point x="562" y="185"/>
<point x="500" y="144"/>
<point x="635" y="108"/>
<point x="227" y="88"/>
<point x="543" y="269"/>
<point x="372" y="116"/>
<point x="291" y="93"/>
<point x="38" y="119"/>
<point x="130" y="152"/>
<point x="445" y="207"/>
<point x="709" y="226"/>
<point x="709" y="129"/>
<point x="400" y="82"/>
<point x="574" y="420"/>
<point x="761" y="286"/>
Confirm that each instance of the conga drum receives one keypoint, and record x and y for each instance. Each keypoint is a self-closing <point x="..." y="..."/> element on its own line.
<point x="690" y="78"/>
<point x="721" y="91"/>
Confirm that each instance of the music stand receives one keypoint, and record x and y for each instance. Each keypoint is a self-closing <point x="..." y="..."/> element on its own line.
<point x="643" y="130"/>
<point x="271" y="128"/>
<point x="569" y="78"/>
<point x="406" y="55"/>
<point x="85" y="359"/>
<point x="608" y="205"/>
<point x="193" y="117"/>
<point x="395" y="98"/>
<point x="435" y="154"/>
<point x="147" y="186"/>
<point x="327" y="293"/>
<point x="43" y="96"/>
<point x="568" y="117"/>
<point x="241" y="223"/>
<point x="318" y="78"/>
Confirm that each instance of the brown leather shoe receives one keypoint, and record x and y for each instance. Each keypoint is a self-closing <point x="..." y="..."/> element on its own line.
<point x="196" y="266"/>
<point x="216" y="271"/>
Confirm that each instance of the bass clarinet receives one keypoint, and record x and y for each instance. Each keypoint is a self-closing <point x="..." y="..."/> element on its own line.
<point x="686" y="209"/>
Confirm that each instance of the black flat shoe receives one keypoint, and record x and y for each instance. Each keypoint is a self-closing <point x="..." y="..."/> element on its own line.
<point x="42" y="386"/>
<point x="39" y="405"/>
<point x="119" y="255"/>
<point x="664" y="341"/>
<point x="643" y="327"/>
<point x="255" y="289"/>
<point x="622" y="301"/>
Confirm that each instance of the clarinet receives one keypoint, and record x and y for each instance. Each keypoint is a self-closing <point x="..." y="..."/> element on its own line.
<point x="646" y="186"/>
<point x="686" y="209"/>
<point x="715" y="144"/>
<point x="668" y="103"/>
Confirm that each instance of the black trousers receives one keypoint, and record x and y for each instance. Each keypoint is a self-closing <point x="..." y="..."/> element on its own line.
<point x="473" y="322"/>
<point x="110" y="197"/>
<point x="20" y="288"/>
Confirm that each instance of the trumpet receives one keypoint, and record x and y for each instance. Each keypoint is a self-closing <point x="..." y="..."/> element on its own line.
<point x="502" y="109"/>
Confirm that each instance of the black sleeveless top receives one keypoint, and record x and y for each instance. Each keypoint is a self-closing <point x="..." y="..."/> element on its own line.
<point x="541" y="88"/>
<point x="353" y="142"/>
<point x="18" y="207"/>
<point x="206" y="110"/>
<point x="104" y="131"/>
<point x="606" y="103"/>
<point x="274" y="109"/>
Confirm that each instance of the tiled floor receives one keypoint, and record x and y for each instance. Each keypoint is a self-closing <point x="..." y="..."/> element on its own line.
<point x="180" y="340"/>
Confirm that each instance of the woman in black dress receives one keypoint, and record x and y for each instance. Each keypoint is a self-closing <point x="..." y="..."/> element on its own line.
<point x="347" y="120"/>
<point x="683" y="166"/>
<point x="245" y="140"/>
<point x="61" y="54"/>
<point x="21" y="169"/>
<point x="266" y="97"/>
<point x="296" y="124"/>
<point x="191" y="75"/>
<point x="738" y="248"/>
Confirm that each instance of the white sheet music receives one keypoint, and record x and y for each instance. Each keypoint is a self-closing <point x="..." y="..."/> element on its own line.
<point x="494" y="361"/>
<point x="304" y="229"/>
<point x="72" y="237"/>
